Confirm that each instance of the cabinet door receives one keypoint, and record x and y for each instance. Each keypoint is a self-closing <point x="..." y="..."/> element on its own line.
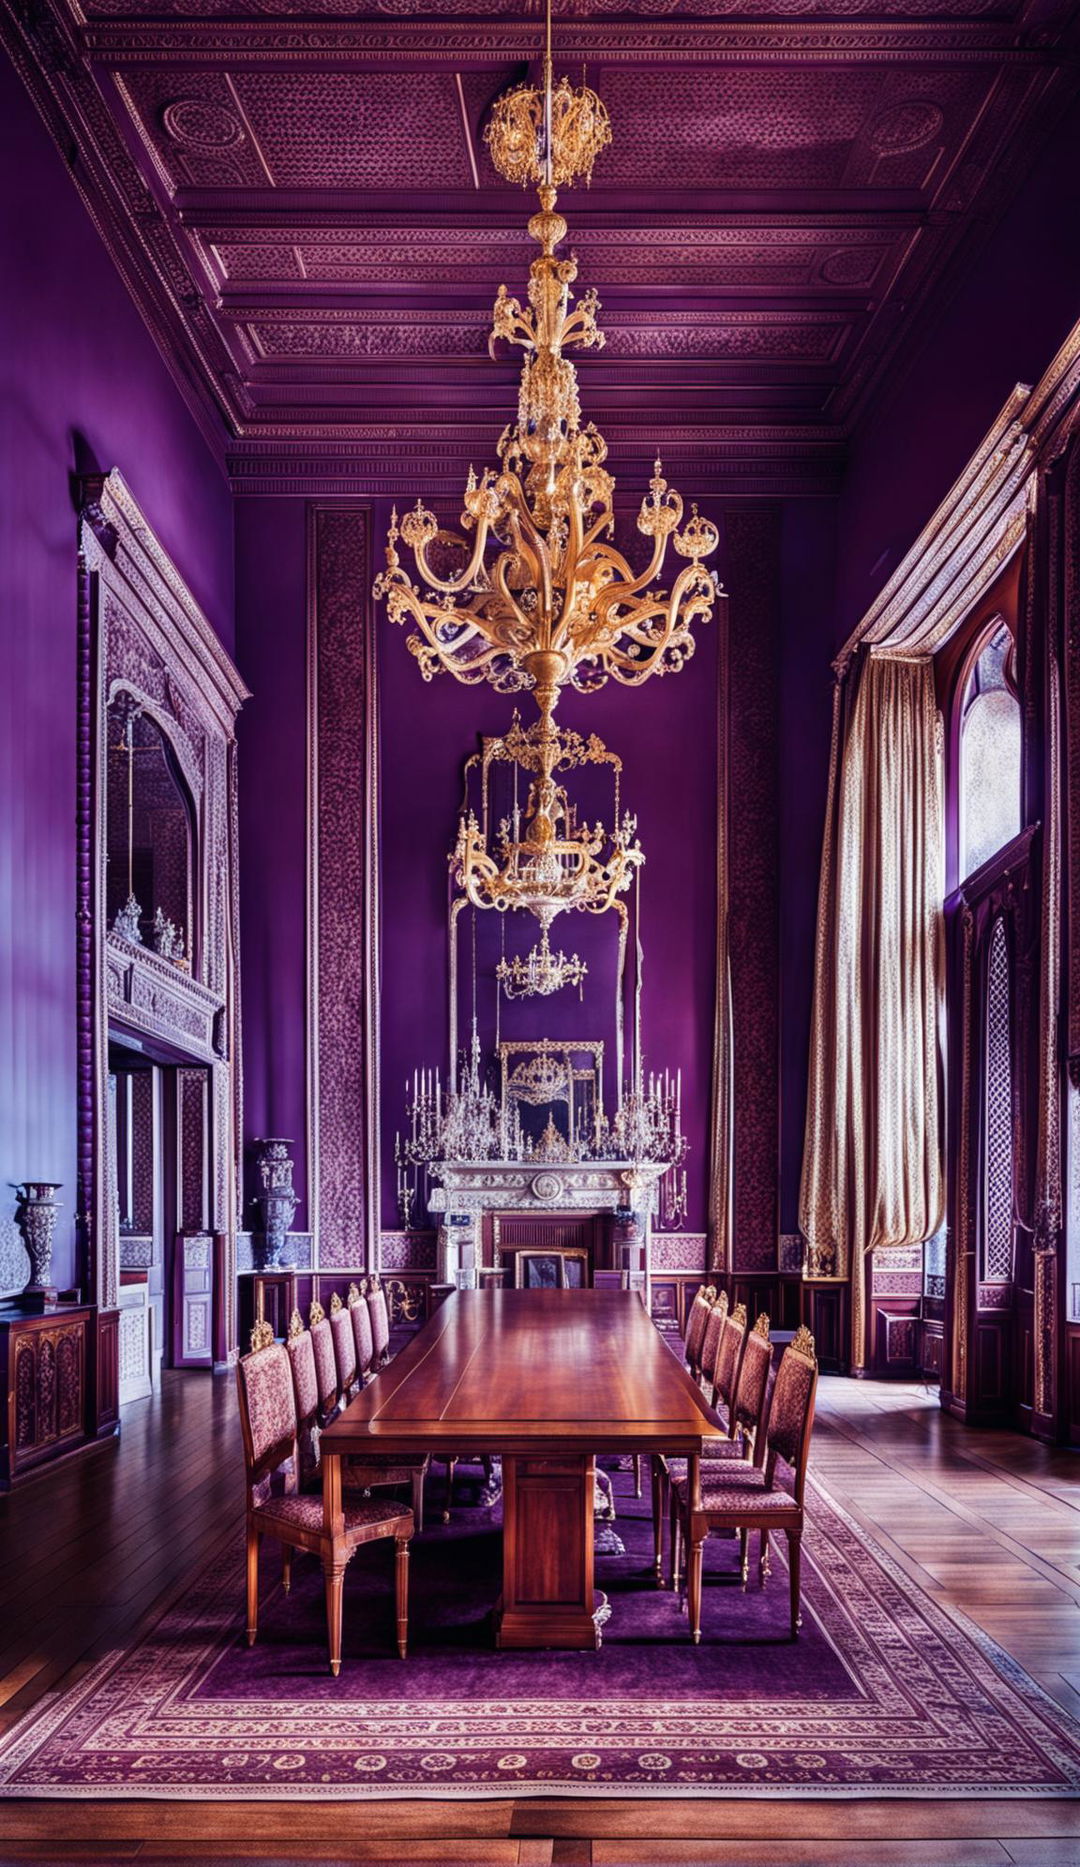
<point x="194" y="1307"/>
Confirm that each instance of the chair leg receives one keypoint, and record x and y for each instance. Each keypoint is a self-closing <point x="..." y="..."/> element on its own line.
<point x="694" y="1564"/>
<point x="637" y="1474"/>
<point x="794" y="1543"/>
<point x="286" y="1566"/>
<point x="253" y="1541"/>
<point x="763" y="1557"/>
<point x="418" y="1499"/>
<point x="676" y="1545"/>
<point x="450" y="1466"/>
<point x="334" y="1575"/>
<point x="658" y="1521"/>
<point x="744" y="1558"/>
<point x="401" y="1592"/>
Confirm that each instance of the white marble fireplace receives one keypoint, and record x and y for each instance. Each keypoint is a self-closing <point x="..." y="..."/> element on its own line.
<point x="466" y="1191"/>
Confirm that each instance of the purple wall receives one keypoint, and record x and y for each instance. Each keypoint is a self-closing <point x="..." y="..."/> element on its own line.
<point x="1016" y="304"/>
<point x="271" y="736"/>
<point x="1017" y="300"/>
<point x="667" y="736"/>
<point x="808" y="569"/>
<point x="81" y="386"/>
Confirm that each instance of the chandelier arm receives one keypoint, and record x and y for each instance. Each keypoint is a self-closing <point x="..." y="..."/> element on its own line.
<point x="452" y="585"/>
<point x="503" y="589"/>
<point x="430" y="618"/>
<point x="529" y="541"/>
<point x="591" y="538"/>
<point x="621" y="593"/>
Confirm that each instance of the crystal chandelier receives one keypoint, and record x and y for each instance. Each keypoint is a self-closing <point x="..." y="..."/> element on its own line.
<point x="541" y="972"/>
<point x="554" y="603"/>
<point x="543" y="860"/>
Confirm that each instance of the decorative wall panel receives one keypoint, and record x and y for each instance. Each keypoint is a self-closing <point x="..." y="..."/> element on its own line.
<point x="143" y="636"/>
<point x="343" y="929"/>
<point x="752" y="540"/>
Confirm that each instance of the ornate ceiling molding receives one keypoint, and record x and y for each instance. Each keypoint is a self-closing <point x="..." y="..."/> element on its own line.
<point x="210" y="41"/>
<point x="302" y="293"/>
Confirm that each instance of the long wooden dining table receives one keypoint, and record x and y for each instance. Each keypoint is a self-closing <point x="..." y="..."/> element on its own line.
<point x="548" y="1379"/>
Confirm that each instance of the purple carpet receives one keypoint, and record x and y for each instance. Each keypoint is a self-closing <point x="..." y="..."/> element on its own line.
<point x="883" y="1694"/>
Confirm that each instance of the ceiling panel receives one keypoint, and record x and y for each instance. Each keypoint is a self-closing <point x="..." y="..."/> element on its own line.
<point x="301" y="197"/>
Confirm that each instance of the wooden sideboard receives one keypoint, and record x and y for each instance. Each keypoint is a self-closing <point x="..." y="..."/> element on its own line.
<point x="46" y="1361"/>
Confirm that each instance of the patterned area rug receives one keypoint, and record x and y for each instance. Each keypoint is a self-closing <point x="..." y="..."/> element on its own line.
<point x="883" y="1694"/>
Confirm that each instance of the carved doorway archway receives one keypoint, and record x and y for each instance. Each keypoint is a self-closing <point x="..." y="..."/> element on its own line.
<point x="147" y="654"/>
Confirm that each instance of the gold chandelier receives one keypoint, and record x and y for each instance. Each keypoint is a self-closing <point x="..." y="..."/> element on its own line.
<point x="543" y="859"/>
<point x="556" y="603"/>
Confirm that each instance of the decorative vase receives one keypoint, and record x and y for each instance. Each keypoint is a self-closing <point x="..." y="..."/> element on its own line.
<point x="36" y="1208"/>
<point x="277" y="1201"/>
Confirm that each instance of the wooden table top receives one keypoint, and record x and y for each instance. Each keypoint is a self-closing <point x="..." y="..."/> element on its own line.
<point x="520" y="1371"/>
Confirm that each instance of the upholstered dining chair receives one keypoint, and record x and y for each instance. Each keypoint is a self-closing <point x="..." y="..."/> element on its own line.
<point x="380" y="1320"/>
<point x="728" y="1361"/>
<point x="716" y="1317"/>
<point x="362" y="1336"/>
<point x="322" y="1343"/>
<point x="295" y="1519"/>
<point x="710" y="1341"/>
<point x="744" y="1419"/>
<point x="747" y="1497"/>
<point x="301" y="1353"/>
<point x="380" y="1470"/>
<point x="695" y="1328"/>
<point x="341" y="1330"/>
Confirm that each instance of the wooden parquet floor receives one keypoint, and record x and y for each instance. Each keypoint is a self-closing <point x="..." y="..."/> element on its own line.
<point x="987" y="1522"/>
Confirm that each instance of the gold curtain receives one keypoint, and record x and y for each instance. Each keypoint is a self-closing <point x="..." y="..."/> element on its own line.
<point x="873" y="1156"/>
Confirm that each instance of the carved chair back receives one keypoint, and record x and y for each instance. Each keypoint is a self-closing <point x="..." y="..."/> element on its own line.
<point x="380" y="1319"/>
<point x="322" y="1343"/>
<point x="699" y="1316"/>
<point x="344" y="1346"/>
<point x="791" y="1413"/>
<point x="362" y="1337"/>
<point x="305" y="1381"/>
<point x="691" y="1315"/>
<point x="710" y="1341"/>
<point x="267" y="1414"/>
<point x="728" y="1361"/>
<point x="752" y="1387"/>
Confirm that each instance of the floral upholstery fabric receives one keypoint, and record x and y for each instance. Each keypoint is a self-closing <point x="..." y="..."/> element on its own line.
<point x="710" y="1341"/>
<point x="362" y="1336"/>
<point x="268" y="1395"/>
<point x="740" y="1486"/>
<point x="699" y="1316"/>
<point x="380" y="1321"/>
<point x="727" y="1357"/>
<point x="305" y="1512"/>
<point x="344" y="1348"/>
<point x="753" y="1380"/>
<point x="322" y="1342"/>
<point x="790" y="1402"/>
<point x="722" y="1451"/>
<point x="302" y="1362"/>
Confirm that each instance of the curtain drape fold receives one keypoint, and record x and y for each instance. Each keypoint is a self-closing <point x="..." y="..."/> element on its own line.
<point x="873" y="1172"/>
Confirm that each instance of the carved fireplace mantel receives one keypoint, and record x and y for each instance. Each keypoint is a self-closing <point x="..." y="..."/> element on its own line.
<point x="467" y="1190"/>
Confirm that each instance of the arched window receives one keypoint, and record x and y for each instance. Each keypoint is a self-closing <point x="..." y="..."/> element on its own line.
<point x="998" y="1193"/>
<point x="990" y="736"/>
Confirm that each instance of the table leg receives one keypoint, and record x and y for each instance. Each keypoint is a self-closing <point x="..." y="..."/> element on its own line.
<point x="548" y="1597"/>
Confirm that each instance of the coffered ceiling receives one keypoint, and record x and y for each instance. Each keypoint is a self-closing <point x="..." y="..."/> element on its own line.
<point x="299" y="194"/>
